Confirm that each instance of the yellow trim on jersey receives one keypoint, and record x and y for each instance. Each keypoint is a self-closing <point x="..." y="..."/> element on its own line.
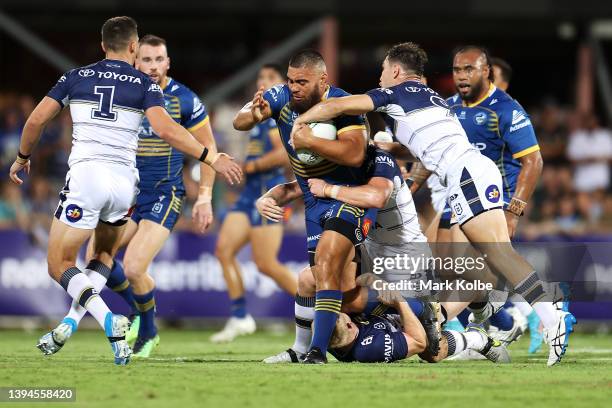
<point x="349" y="128"/>
<point x="199" y="125"/>
<point x="273" y="132"/>
<point x="526" y="151"/>
<point x="492" y="89"/>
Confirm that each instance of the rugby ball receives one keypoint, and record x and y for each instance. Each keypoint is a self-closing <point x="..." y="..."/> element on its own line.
<point x="383" y="137"/>
<point x="324" y="130"/>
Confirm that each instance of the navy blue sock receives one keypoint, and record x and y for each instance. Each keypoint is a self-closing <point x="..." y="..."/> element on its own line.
<point x="146" y="308"/>
<point x="327" y="307"/>
<point x="239" y="307"/>
<point x="118" y="283"/>
<point x="416" y="305"/>
<point x="502" y="320"/>
<point x="464" y="317"/>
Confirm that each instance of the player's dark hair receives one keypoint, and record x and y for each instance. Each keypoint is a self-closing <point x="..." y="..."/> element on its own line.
<point x="275" y="67"/>
<point x="409" y="55"/>
<point x="117" y="32"/>
<point x="306" y="58"/>
<point x="465" y="48"/>
<point x="504" y="67"/>
<point x="152" y="40"/>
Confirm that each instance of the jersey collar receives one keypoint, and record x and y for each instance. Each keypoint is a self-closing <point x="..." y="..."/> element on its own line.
<point x="166" y="84"/>
<point x="492" y="88"/>
<point x="326" y="93"/>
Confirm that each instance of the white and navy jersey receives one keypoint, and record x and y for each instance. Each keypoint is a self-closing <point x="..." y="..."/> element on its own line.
<point x="107" y="103"/>
<point x="380" y="340"/>
<point x="397" y="223"/>
<point x="421" y="121"/>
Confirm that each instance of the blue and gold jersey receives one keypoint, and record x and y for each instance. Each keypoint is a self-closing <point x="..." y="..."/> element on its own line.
<point x="500" y="128"/>
<point x="260" y="144"/>
<point x="160" y="165"/>
<point x="333" y="173"/>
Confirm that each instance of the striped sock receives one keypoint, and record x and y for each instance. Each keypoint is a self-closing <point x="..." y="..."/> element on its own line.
<point x="239" y="309"/>
<point x="304" y="314"/>
<point x="146" y="308"/>
<point x="327" y="307"/>
<point x="81" y="289"/>
<point x="119" y="284"/>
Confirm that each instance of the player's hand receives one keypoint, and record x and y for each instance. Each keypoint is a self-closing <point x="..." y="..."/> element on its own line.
<point x="226" y="166"/>
<point x="249" y="167"/>
<point x="202" y="215"/>
<point x="301" y="136"/>
<point x="317" y="187"/>
<point x="258" y="105"/>
<point x="390" y="297"/>
<point x="16" y="167"/>
<point x="511" y="222"/>
<point x="268" y="209"/>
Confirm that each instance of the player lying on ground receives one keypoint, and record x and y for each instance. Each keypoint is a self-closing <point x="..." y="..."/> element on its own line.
<point x="424" y="125"/>
<point x="333" y="227"/>
<point x="107" y="102"/>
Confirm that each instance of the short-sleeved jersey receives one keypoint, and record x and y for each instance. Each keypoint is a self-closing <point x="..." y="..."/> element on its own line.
<point x="333" y="173"/>
<point x="500" y="128"/>
<point x="161" y="165"/>
<point x="380" y="340"/>
<point x="421" y="121"/>
<point x="107" y="102"/>
<point x="260" y="144"/>
<point x="397" y="222"/>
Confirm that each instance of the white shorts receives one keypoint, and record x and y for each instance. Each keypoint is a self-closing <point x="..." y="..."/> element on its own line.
<point x="474" y="186"/>
<point x="97" y="191"/>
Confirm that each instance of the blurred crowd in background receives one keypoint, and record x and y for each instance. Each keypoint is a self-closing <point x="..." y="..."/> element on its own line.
<point x="573" y="197"/>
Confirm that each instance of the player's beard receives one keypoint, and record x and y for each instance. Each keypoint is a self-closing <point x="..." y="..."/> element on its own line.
<point x="474" y="92"/>
<point x="306" y="103"/>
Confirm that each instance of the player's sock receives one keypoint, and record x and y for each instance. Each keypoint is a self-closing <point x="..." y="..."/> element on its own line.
<point x="456" y="341"/>
<point x="524" y="307"/>
<point x="119" y="284"/>
<point x="374" y="307"/>
<point x="98" y="273"/>
<point x="464" y="317"/>
<point x="304" y="315"/>
<point x="416" y="305"/>
<point x="502" y="320"/>
<point x="81" y="288"/>
<point x="532" y="290"/>
<point x="239" y="309"/>
<point x="146" y="308"/>
<point x="327" y="308"/>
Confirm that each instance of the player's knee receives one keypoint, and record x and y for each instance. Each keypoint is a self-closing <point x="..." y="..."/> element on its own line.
<point x="306" y="282"/>
<point x="223" y="252"/>
<point x="133" y="268"/>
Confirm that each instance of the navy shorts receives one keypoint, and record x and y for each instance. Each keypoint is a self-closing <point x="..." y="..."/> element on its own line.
<point x="160" y="206"/>
<point x="255" y="187"/>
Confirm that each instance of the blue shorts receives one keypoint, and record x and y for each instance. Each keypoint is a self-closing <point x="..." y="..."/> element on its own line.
<point x="160" y="206"/>
<point x="350" y="221"/>
<point x="255" y="187"/>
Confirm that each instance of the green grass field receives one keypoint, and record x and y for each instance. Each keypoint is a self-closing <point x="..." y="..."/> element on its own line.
<point x="188" y="371"/>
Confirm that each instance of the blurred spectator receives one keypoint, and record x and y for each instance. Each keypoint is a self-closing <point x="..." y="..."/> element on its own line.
<point x="552" y="135"/>
<point x="13" y="212"/>
<point x="590" y="151"/>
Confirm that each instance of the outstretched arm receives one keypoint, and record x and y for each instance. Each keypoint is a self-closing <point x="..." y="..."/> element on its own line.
<point x="375" y="194"/>
<point x="253" y="112"/>
<point x="270" y="205"/>
<point x="334" y="107"/>
<point x="38" y="119"/>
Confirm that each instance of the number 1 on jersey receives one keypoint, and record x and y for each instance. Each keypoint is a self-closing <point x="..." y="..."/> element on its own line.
<point x="105" y="106"/>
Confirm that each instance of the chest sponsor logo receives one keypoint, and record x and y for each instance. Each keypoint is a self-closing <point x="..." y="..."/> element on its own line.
<point x="461" y="115"/>
<point x="367" y="341"/>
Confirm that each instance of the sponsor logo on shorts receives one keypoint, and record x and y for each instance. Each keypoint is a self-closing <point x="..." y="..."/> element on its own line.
<point x="492" y="193"/>
<point x="480" y="118"/>
<point x="358" y="234"/>
<point x="313" y="238"/>
<point x="366" y="227"/>
<point x="74" y="213"/>
<point x="457" y="209"/>
<point x="454" y="197"/>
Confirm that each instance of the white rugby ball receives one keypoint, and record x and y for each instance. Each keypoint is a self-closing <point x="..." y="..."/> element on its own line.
<point x="324" y="130"/>
<point x="383" y="137"/>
